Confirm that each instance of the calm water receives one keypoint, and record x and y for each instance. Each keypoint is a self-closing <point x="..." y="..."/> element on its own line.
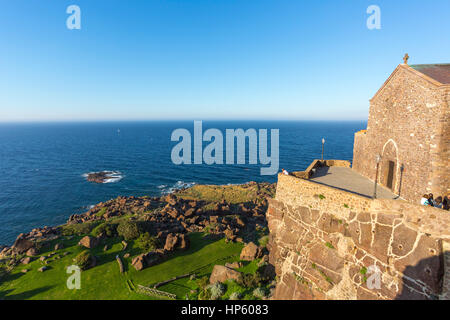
<point x="42" y="165"/>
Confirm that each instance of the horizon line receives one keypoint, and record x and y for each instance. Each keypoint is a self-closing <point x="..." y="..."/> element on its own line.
<point x="173" y="120"/>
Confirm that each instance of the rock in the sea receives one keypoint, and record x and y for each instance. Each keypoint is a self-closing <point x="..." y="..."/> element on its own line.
<point x="222" y="274"/>
<point x="250" y="252"/>
<point x="103" y="176"/>
<point x="88" y="242"/>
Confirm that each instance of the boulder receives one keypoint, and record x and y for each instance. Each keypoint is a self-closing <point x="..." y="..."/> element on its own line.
<point x="26" y="260"/>
<point x="152" y="258"/>
<point x="176" y="241"/>
<point x="88" y="242"/>
<point x="184" y="242"/>
<point x="190" y="212"/>
<point x="22" y="245"/>
<point x="240" y="222"/>
<point x="32" y="252"/>
<point x="145" y="260"/>
<point x="250" y="252"/>
<point x="233" y="265"/>
<point x="229" y="234"/>
<point x="138" y="262"/>
<point x="223" y="273"/>
<point x="171" y="199"/>
<point x="59" y="246"/>
<point x="171" y="242"/>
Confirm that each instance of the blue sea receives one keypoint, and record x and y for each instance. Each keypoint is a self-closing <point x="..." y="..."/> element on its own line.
<point x="43" y="166"/>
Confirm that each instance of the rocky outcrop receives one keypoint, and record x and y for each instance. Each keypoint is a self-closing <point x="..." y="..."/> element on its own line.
<point x="103" y="176"/>
<point x="250" y="252"/>
<point x="88" y="242"/>
<point x="222" y="274"/>
<point x="146" y="260"/>
<point x="176" y="241"/>
<point x="22" y="245"/>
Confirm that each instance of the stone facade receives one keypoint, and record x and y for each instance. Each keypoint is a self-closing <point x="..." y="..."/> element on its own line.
<point x="326" y="243"/>
<point x="409" y="126"/>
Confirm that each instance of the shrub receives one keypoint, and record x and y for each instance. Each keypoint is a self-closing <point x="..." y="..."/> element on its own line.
<point x="204" y="295"/>
<point x="259" y="293"/>
<point x="263" y="241"/>
<point x="109" y="229"/>
<point x="147" y="242"/>
<point x="202" y="283"/>
<point x="78" y="228"/>
<point x="251" y="280"/>
<point x="101" y="212"/>
<point x="128" y="230"/>
<point x="217" y="290"/>
<point x="84" y="260"/>
<point x="235" y="296"/>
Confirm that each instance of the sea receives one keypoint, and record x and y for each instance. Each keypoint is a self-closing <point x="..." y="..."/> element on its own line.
<point x="44" y="166"/>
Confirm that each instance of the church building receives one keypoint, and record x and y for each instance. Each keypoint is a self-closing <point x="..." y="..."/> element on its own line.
<point x="406" y="146"/>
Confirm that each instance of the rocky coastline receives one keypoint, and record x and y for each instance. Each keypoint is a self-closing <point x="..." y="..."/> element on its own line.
<point x="168" y="218"/>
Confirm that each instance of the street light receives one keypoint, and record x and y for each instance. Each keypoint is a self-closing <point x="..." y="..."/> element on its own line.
<point x="323" y="142"/>
<point x="378" y="159"/>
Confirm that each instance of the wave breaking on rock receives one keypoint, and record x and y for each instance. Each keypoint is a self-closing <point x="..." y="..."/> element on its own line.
<point x="103" y="176"/>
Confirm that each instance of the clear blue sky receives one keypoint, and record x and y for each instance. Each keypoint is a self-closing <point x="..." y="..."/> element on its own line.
<point x="208" y="59"/>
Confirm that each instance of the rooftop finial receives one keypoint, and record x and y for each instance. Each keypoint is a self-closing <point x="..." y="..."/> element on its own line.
<point x="405" y="59"/>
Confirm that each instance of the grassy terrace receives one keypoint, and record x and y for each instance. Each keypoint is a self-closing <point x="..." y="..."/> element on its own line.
<point x="105" y="281"/>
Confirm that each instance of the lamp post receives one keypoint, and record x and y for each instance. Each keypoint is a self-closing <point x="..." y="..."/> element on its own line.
<point x="323" y="143"/>
<point x="378" y="159"/>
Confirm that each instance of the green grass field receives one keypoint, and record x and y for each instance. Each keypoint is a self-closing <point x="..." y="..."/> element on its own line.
<point x="105" y="281"/>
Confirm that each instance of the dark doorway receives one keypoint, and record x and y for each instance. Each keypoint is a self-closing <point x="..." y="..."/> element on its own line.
<point x="390" y="175"/>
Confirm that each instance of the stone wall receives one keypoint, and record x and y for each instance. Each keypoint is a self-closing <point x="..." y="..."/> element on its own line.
<point x="408" y="125"/>
<point x="326" y="243"/>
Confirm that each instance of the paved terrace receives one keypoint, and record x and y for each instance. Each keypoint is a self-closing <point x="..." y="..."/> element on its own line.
<point x="348" y="180"/>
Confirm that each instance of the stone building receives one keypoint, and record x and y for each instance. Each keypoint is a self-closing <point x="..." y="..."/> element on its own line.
<point x="409" y="127"/>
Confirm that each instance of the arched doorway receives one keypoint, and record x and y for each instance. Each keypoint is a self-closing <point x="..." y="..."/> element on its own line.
<point x="389" y="166"/>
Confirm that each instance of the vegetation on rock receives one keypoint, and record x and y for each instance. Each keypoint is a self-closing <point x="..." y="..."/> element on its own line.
<point x="84" y="260"/>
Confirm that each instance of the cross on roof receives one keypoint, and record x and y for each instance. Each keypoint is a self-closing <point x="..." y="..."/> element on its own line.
<point x="405" y="59"/>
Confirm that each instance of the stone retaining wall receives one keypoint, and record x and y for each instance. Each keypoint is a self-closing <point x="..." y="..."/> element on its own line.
<point x="327" y="243"/>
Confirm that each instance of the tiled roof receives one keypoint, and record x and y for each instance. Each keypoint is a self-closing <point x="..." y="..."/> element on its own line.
<point x="438" y="72"/>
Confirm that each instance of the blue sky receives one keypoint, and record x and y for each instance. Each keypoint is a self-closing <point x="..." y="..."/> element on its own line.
<point x="208" y="59"/>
